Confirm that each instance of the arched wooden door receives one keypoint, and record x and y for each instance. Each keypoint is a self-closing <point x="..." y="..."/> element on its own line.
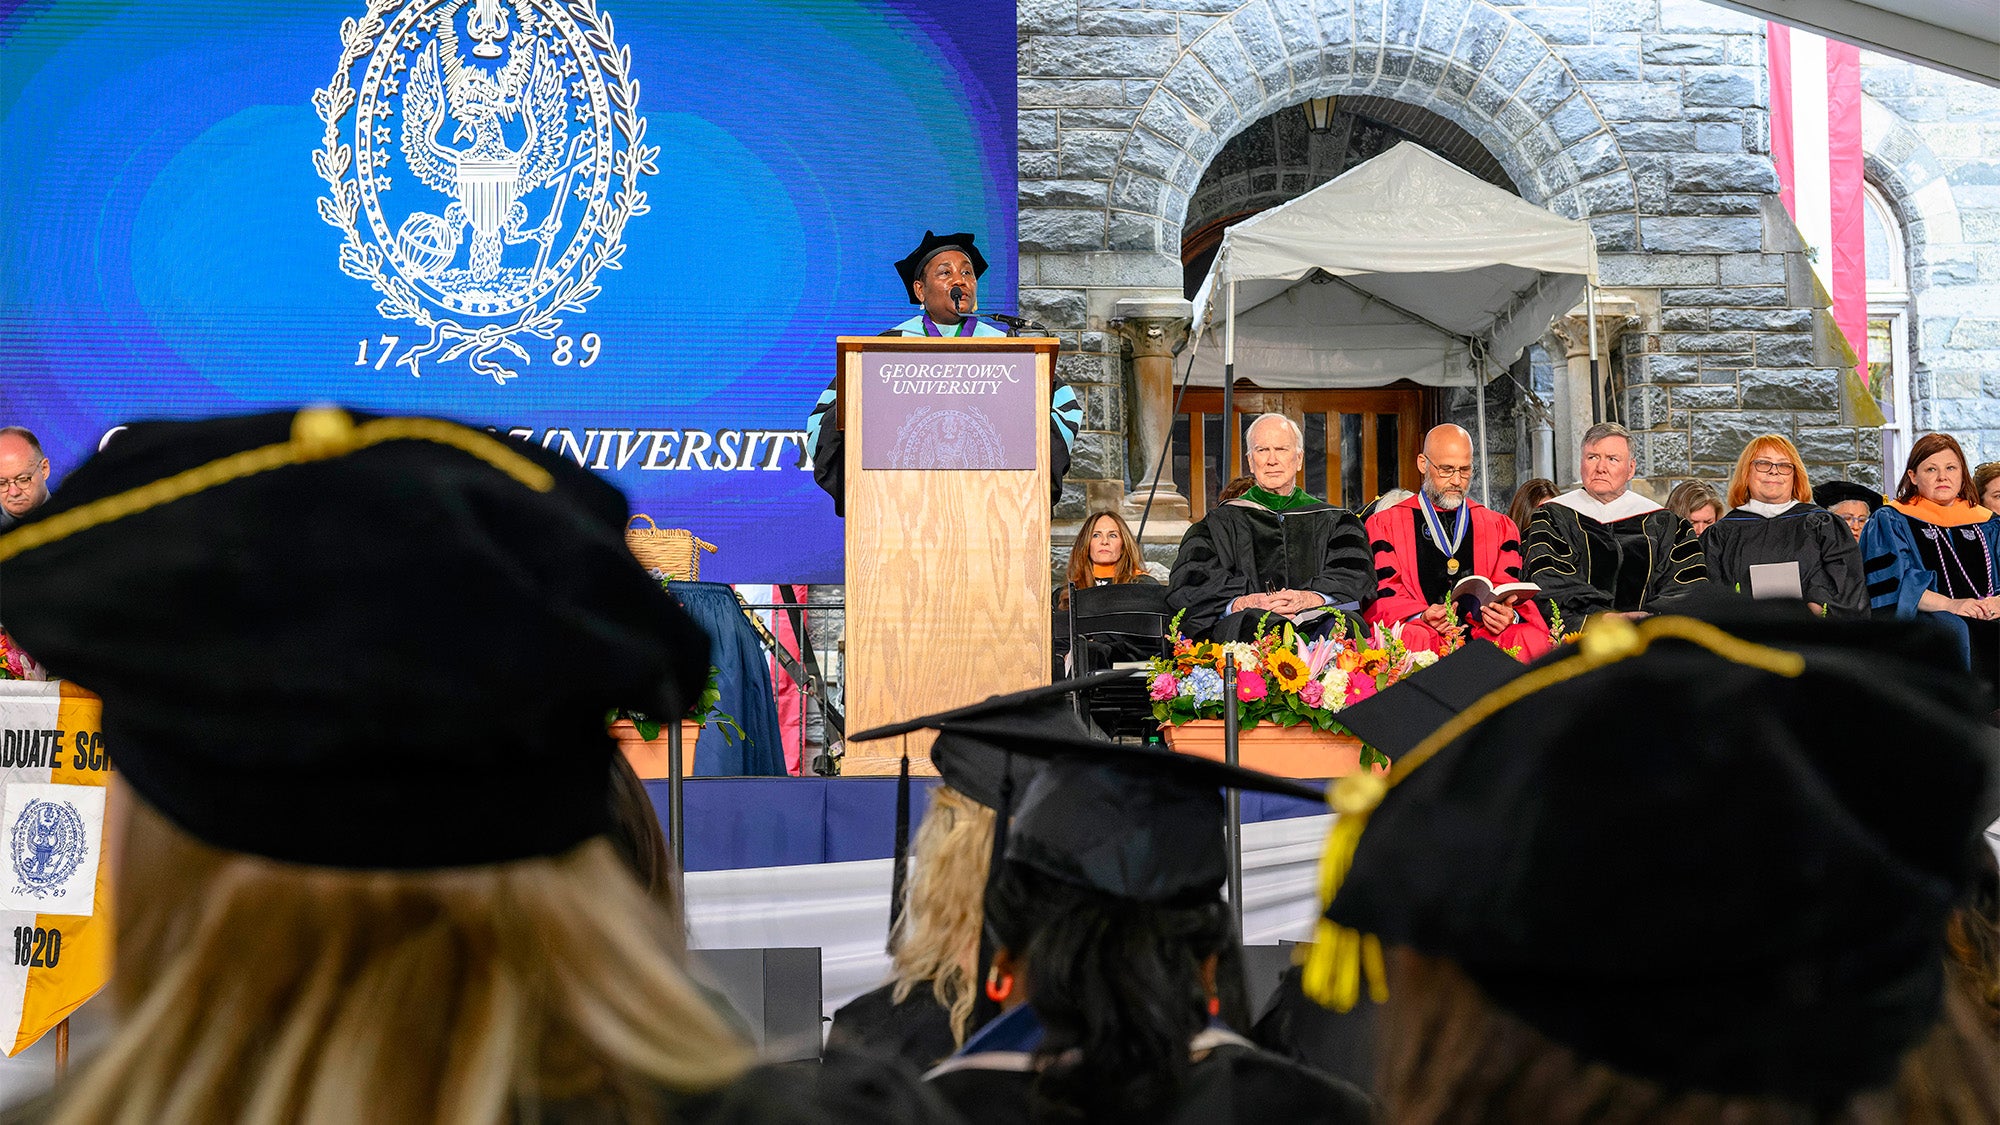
<point x="1359" y="443"/>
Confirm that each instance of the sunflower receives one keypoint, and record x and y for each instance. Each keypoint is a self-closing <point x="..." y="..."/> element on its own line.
<point x="1286" y="668"/>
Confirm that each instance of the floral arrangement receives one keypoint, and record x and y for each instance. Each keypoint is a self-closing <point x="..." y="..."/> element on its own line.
<point x="14" y="663"/>
<point x="1281" y="678"/>
<point x="704" y="712"/>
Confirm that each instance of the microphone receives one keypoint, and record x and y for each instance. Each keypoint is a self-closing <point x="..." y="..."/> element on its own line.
<point x="957" y="297"/>
<point x="1017" y="323"/>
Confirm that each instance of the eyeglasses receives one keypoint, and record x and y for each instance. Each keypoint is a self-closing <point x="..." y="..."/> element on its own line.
<point x="1773" y="468"/>
<point x="24" y="482"/>
<point x="1451" y="472"/>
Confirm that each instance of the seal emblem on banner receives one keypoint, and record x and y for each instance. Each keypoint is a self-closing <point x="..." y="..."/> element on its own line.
<point x="481" y="158"/>
<point x="47" y="844"/>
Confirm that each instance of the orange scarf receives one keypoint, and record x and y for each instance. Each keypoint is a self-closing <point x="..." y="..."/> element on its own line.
<point x="1104" y="573"/>
<point x="1955" y="514"/>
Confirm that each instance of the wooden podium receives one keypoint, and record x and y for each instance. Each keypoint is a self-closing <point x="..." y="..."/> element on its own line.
<point x="947" y="564"/>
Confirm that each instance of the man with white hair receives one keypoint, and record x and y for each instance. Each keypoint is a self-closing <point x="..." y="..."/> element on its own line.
<point x="1605" y="549"/>
<point x="1273" y="554"/>
<point x="1430" y="543"/>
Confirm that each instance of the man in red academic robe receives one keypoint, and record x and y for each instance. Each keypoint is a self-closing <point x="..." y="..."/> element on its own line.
<point x="1429" y="543"/>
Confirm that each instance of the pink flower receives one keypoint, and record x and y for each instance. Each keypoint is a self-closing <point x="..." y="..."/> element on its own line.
<point x="1164" y="687"/>
<point x="1359" y="688"/>
<point x="1250" y="686"/>
<point x="1313" y="694"/>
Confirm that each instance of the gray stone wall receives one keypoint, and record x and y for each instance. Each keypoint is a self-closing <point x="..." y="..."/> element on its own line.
<point x="1645" y="117"/>
<point x="1933" y="148"/>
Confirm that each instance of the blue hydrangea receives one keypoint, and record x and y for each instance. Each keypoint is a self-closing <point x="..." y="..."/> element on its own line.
<point x="1203" y="685"/>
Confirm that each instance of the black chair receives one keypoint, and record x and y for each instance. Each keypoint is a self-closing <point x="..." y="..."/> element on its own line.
<point x="1112" y="625"/>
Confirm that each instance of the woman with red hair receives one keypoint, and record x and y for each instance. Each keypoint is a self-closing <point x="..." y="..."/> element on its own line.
<point x="1771" y="520"/>
<point x="1933" y="550"/>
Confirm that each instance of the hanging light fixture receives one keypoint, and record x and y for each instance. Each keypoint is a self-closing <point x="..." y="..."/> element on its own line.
<point x="1319" y="113"/>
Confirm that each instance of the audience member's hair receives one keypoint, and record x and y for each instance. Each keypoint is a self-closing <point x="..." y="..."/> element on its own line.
<point x="1527" y="498"/>
<point x="1973" y="936"/>
<point x="27" y="435"/>
<point x="1768" y="447"/>
<point x="635" y="835"/>
<point x="1081" y="572"/>
<point x="1691" y="496"/>
<point x="1236" y="487"/>
<point x="1927" y="447"/>
<point x="937" y="937"/>
<point x="1984" y="475"/>
<point x="1386" y="501"/>
<point x="1447" y="1053"/>
<point x="1118" y="987"/>
<point x="256" y="990"/>
<point x="1603" y="430"/>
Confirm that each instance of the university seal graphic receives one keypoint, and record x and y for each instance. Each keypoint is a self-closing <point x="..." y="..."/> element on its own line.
<point x="936" y="438"/>
<point x="47" y="844"/>
<point x="481" y="159"/>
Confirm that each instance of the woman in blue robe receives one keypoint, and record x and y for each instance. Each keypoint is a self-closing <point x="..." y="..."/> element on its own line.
<point x="1934" y="553"/>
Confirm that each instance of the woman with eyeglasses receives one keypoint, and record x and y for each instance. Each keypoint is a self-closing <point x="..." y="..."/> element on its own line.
<point x="1932" y="552"/>
<point x="1775" y="542"/>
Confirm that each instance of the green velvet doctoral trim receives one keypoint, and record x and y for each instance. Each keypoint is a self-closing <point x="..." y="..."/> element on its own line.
<point x="1298" y="498"/>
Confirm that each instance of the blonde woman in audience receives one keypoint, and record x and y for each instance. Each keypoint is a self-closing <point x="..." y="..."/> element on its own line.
<point x="1696" y="502"/>
<point x="382" y="893"/>
<point x="925" y="1011"/>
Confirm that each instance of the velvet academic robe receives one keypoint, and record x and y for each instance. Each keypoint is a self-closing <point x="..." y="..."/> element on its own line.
<point x="828" y="445"/>
<point x="1233" y="1082"/>
<point x="918" y="1030"/>
<point x="1899" y="570"/>
<point x="1630" y="555"/>
<point x="1829" y="558"/>
<point x="1410" y="574"/>
<point x="1242" y="547"/>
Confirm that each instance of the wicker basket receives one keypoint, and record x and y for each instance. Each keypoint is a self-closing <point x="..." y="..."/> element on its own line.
<point x="671" y="550"/>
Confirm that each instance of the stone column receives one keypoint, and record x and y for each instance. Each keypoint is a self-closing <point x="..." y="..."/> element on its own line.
<point x="1155" y="327"/>
<point x="1615" y="315"/>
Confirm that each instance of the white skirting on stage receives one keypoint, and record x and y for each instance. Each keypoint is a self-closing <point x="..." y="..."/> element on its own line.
<point x="843" y="908"/>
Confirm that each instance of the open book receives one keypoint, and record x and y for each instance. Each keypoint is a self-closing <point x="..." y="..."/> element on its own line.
<point x="1481" y="592"/>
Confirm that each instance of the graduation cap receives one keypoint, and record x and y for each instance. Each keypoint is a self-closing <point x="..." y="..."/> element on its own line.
<point x="934" y="244"/>
<point x="1396" y="720"/>
<point x="1744" y="894"/>
<point x="384" y="643"/>
<point x="1828" y="493"/>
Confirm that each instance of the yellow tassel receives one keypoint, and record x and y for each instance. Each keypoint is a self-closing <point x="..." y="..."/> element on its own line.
<point x="1373" y="966"/>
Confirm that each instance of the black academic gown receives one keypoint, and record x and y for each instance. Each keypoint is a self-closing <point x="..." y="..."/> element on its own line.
<point x="1829" y="557"/>
<point x="918" y="1030"/>
<point x="1242" y="547"/>
<point x="1234" y="1083"/>
<point x="1639" y="563"/>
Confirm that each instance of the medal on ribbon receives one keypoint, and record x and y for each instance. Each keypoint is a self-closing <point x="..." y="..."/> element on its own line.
<point x="1449" y="547"/>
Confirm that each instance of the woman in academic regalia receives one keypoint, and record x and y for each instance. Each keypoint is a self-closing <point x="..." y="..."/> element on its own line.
<point x="357" y="834"/>
<point x="1736" y="916"/>
<point x="1772" y="520"/>
<point x="924" y="1011"/>
<point x="1105" y="553"/>
<point x="1934" y="553"/>
<point x="1114" y="951"/>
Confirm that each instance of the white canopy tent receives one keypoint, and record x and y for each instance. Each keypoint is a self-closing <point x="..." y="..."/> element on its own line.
<point x="1405" y="267"/>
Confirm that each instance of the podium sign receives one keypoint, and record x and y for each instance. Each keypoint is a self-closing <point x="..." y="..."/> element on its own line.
<point x="949" y="410"/>
<point x="947" y="529"/>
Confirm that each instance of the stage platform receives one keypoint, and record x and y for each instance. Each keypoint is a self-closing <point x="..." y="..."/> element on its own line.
<point x="749" y="822"/>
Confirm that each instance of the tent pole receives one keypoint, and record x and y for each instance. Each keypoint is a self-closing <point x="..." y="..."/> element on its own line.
<point x="1485" y="478"/>
<point x="1227" y="470"/>
<point x="1596" y="381"/>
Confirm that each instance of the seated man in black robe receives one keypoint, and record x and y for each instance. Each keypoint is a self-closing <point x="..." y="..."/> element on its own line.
<point x="1273" y="553"/>
<point x="1605" y="549"/>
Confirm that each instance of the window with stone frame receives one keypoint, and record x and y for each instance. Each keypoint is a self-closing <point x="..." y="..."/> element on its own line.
<point x="1889" y="326"/>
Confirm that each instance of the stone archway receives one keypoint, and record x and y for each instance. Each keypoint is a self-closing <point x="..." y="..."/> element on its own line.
<point x="1488" y="73"/>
